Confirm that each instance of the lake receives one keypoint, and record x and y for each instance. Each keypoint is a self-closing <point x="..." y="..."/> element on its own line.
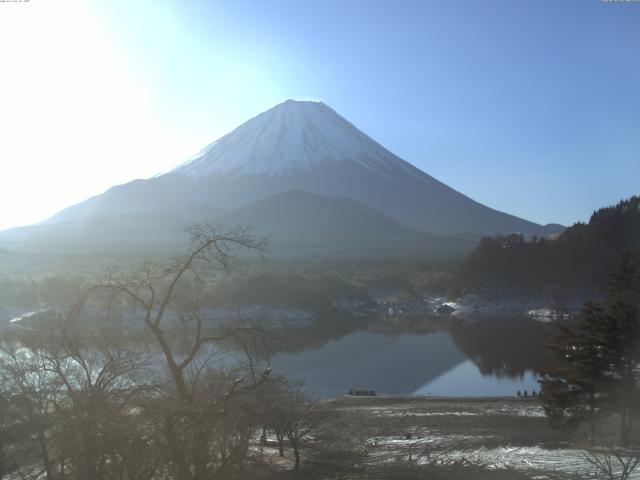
<point x="448" y="357"/>
<point x="399" y="364"/>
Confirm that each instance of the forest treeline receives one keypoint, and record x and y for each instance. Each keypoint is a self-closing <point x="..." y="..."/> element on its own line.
<point x="577" y="262"/>
<point x="315" y="290"/>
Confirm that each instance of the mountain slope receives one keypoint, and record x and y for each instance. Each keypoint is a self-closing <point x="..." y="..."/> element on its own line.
<point x="299" y="222"/>
<point x="128" y="233"/>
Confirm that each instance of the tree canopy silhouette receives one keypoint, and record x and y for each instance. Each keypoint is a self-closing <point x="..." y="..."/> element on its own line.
<point x="577" y="261"/>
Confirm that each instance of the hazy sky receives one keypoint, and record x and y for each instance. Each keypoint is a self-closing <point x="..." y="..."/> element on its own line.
<point x="531" y="107"/>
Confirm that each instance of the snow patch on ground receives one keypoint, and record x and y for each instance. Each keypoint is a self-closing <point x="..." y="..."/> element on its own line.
<point x="423" y="434"/>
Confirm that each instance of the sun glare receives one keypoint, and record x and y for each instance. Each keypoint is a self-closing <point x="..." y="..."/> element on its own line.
<point x="71" y="119"/>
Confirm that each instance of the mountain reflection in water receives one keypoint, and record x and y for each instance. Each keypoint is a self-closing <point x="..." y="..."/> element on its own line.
<point x="468" y="359"/>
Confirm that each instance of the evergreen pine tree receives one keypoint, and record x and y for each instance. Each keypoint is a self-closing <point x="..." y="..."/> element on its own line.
<point x="597" y="358"/>
<point x="570" y="392"/>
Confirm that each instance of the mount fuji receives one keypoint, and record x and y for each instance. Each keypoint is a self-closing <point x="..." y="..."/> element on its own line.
<point x="300" y="148"/>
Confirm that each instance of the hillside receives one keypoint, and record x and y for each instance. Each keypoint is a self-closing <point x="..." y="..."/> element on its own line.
<point x="303" y="223"/>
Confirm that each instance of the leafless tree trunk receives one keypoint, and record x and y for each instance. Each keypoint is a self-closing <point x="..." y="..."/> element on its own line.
<point x="161" y="293"/>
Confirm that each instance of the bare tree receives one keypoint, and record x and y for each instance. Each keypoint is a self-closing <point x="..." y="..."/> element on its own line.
<point x="74" y="389"/>
<point x="100" y="404"/>
<point x="31" y="393"/>
<point x="274" y="415"/>
<point x="304" y="418"/>
<point x="100" y="391"/>
<point x="197" y="411"/>
<point x="611" y="463"/>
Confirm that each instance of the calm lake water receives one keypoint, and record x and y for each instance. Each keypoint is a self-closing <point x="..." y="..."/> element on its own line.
<point x="402" y="364"/>
<point x="482" y="357"/>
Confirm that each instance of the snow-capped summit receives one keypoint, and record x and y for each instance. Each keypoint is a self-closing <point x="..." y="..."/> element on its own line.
<point x="292" y="136"/>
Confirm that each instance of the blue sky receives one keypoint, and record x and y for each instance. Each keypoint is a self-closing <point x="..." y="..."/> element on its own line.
<point x="531" y="107"/>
